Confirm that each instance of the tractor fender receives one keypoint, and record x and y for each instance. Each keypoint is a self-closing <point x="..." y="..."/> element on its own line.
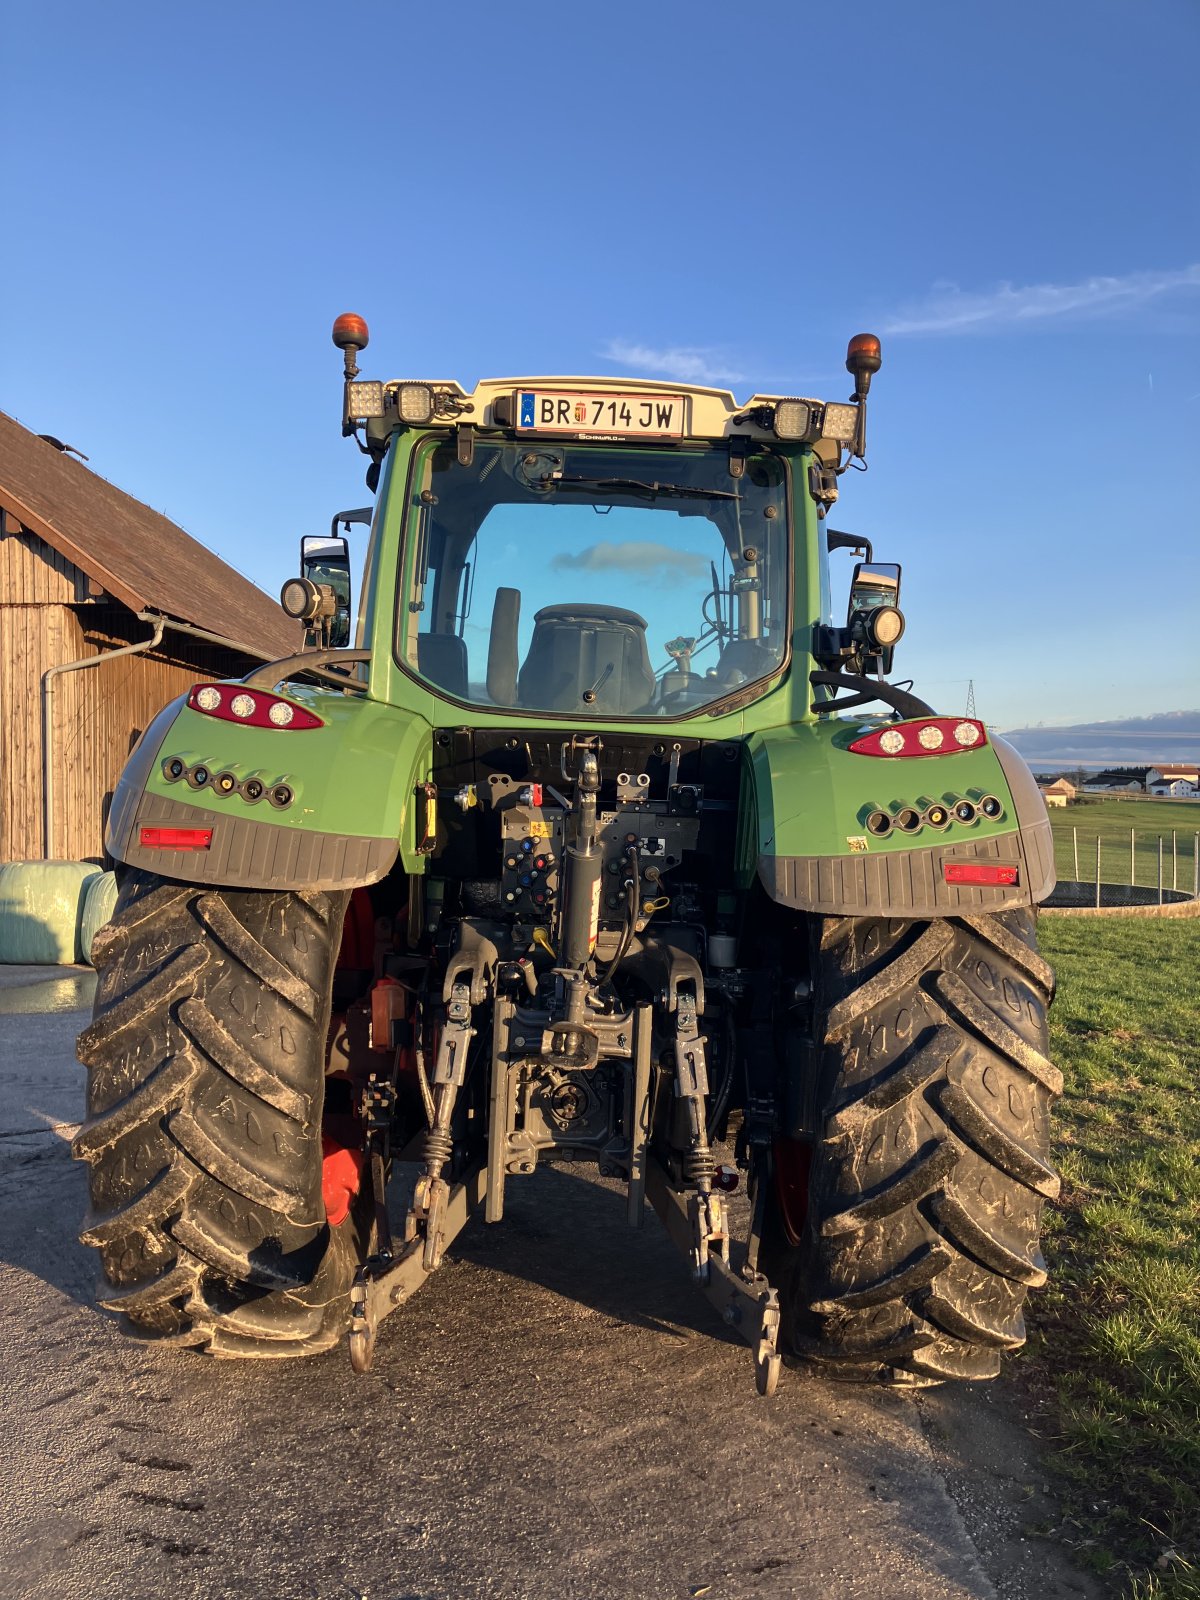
<point x="338" y="802"/>
<point x="807" y="841"/>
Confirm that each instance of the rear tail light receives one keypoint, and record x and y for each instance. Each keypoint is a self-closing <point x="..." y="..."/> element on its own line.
<point x="231" y="703"/>
<point x="924" y="736"/>
<point x="989" y="873"/>
<point x="176" y="838"/>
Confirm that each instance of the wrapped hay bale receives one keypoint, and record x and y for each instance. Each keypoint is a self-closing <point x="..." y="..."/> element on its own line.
<point x="99" y="903"/>
<point x="41" y="911"/>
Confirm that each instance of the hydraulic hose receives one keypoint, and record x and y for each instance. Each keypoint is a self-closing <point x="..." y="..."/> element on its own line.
<point x="635" y="896"/>
<point x="720" y="1101"/>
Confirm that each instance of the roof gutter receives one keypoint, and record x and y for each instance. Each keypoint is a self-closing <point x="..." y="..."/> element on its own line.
<point x="48" y="678"/>
<point x="212" y="638"/>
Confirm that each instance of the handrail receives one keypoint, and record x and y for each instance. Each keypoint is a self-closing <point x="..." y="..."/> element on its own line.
<point x="308" y="661"/>
<point x="866" y="690"/>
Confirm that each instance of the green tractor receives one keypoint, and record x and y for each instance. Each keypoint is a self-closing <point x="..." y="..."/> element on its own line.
<point x="589" y="848"/>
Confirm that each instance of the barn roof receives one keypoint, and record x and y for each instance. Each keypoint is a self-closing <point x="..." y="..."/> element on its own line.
<point x="137" y="555"/>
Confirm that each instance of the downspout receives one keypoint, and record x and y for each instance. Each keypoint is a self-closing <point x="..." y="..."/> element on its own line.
<point x="48" y="678"/>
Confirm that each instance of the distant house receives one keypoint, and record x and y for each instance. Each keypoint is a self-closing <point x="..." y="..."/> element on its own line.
<point x="85" y="572"/>
<point x="1180" y="782"/>
<point x="1118" y="780"/>
<point x="1059" y="792"/>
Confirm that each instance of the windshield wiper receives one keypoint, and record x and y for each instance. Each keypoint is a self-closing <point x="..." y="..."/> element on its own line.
<point x="651" y="491"/>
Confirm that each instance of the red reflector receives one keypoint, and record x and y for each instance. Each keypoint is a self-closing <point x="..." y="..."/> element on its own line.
<point x="176" y="838"/>
<point x="985" y="872"/>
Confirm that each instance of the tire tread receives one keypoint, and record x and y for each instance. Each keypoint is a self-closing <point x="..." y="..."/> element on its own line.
<point x="214" y="1005"/>
<point x="929" y="1176"/>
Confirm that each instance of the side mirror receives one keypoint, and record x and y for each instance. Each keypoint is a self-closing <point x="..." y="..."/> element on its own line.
<point x="327" y="561"/>
<point x="320" y="597"/>
<point x="874" y="620"/>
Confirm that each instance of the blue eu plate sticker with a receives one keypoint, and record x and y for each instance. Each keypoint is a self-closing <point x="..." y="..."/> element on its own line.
<point x="526" y="411"/>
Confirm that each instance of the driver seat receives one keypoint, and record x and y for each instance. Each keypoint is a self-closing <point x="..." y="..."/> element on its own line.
<point x="577" y="648"/>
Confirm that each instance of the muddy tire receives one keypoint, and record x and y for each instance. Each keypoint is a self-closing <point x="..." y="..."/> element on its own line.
<point x="927" y="1186"/>
<point x="205" y="1062"/>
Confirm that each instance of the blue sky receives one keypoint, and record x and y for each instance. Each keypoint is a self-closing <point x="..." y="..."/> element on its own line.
<point x="1007" y="195"/>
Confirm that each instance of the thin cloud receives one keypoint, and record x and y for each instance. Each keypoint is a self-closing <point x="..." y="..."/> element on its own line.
<point x="949" y="309"/>
<point x="636" y="558"/>
<point x="683" y="363"/>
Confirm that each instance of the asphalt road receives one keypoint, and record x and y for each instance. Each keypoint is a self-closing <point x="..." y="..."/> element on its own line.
<point x="557" y="1416"/>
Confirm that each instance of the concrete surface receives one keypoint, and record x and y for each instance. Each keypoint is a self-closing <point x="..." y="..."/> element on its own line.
<point x="557" y="1416"/>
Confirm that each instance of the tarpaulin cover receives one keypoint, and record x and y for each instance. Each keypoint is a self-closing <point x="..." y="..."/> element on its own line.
<point x="98" y="906"/>
<point x="41" y="909"/>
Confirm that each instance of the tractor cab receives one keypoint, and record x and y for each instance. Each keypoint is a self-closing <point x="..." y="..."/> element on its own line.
<point x="595" y="548"/>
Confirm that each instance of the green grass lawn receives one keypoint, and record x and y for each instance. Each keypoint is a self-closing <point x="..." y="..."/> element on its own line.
<point x="1111" y="820"/>
<point x="1115" y="1346"/>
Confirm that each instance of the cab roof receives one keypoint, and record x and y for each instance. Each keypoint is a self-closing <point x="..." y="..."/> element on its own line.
<point x="497" y="403"/>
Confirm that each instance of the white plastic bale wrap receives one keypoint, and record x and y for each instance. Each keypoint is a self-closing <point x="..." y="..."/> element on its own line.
<point x="99" y="903"/>
<point x="41" y="911"/>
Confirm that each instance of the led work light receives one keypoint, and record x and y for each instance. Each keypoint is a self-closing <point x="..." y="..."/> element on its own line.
<point x="841" y="422"/>
<point x="364" y="399"/>
<point x="793" y="419"/>
<point x="414" y="401"/>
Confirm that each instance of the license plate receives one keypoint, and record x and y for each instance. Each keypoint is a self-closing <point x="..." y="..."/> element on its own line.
<point x="657" y="416"/>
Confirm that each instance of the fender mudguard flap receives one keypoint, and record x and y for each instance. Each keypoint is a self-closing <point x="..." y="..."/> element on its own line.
<point x="244" y="853"/>
<point x="911" y="883"/>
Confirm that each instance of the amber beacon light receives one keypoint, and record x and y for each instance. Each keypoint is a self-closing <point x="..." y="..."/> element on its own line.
<point x="350" y="335"/>
<point x="863" y="358"/>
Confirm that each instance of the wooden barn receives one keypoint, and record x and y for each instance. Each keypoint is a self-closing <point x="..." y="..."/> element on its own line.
<point x="107" y="611"/>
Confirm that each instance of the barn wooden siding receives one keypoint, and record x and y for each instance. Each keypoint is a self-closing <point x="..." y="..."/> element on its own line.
<point x="51" y="613"/>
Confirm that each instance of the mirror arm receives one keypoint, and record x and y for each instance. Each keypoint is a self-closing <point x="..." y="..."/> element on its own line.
<point x="363" y="514"/>
<point x="835" y="540"/>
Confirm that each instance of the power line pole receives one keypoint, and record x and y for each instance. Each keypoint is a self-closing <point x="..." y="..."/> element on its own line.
<point x="970" y="712"/>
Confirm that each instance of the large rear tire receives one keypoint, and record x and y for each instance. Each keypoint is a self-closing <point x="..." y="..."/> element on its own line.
<point x="206" y="1059"/>
<point x="927" y="1185"/>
